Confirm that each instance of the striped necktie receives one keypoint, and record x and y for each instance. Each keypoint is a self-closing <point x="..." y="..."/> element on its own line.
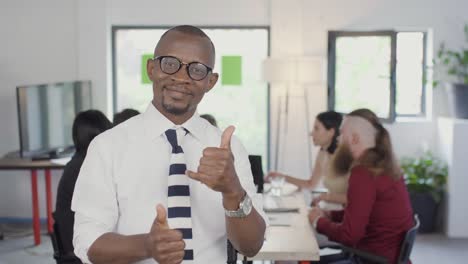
<point x="179" y="215"/>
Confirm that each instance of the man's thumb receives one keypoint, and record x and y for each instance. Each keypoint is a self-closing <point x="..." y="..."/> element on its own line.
<point x="226" y="137"/>
<point x="161" y="216"/>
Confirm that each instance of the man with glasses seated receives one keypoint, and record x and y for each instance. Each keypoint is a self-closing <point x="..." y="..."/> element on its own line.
<point x="166" y="186"/>
<point x="378" y="213"/>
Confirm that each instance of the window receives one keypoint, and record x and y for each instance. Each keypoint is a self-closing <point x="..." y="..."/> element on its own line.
<point x="239" y="98"/>
<point x="383" y="71"/>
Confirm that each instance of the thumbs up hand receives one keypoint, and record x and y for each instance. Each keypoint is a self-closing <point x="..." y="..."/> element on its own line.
<point x="216" y="170"/>
<point x="226" y="138"/>
<point x="163" y="244"/>
<point x="161" y="217"/>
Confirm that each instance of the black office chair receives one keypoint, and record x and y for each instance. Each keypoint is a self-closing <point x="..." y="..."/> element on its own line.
<point x="408" y="242"/>
<point x="360" y="256"/>
<point x="60" y="256"/>
<point x="232" y="255"/>
<point x="257" y="171"/>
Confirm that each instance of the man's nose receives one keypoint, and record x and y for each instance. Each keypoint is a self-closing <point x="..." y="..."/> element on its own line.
<point x="181" y="74"/>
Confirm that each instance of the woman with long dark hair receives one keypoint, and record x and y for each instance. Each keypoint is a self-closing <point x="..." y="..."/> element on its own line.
<point x="324" y="135"/>
<point x="86" y="126"/>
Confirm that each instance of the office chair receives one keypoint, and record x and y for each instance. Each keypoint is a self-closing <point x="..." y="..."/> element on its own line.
<point x="60" y="256"/>
<point x="257" y="171"/>
<point x="360" y="256"/>
<point x="232" y="255"/>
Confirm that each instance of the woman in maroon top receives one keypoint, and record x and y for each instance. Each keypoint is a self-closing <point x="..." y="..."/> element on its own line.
<point x="378" y="212"/>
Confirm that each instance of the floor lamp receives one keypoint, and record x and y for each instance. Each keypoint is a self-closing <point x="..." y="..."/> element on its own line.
<point x="292" y="75"/>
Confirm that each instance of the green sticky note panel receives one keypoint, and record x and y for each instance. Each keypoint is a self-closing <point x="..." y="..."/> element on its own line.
<point x="231" y="67"/>
<point x="144" y="76"/>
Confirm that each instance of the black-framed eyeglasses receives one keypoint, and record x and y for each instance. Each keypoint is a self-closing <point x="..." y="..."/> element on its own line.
<point x="170" y="65"/>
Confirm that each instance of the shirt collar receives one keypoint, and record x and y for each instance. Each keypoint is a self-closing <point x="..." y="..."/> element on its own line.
<point x="156" y="123"/>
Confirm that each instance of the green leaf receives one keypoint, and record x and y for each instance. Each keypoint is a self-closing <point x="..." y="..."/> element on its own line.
<point x="466" y="32"/>
<point x="465" y="58"/>
<point x="446" y="61"/>
<point x="452" y="70"/>
<point x="459" y="57"/>
<point x="440" y="52"/>
<point x="425" y="174"/>
<point x="454" y="62"/>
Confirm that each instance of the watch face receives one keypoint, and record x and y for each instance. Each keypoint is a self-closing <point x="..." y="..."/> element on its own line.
<point x="247" y="205"/>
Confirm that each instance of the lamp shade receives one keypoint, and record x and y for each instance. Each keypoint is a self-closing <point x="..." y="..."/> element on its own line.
<point x="294" y="69"/>
<point x="277" y="70"/>
<point x="310" y="70"/>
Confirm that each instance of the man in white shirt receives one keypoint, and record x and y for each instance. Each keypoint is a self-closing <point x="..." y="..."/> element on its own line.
<point x="121" y="195"/>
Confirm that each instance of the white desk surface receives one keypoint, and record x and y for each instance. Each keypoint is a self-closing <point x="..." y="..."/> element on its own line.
<point x="294" y="242"/>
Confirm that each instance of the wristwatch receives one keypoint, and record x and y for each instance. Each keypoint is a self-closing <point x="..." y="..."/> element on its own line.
<point x="245" y="207"/>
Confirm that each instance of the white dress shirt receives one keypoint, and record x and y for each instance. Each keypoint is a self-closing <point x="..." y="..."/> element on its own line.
<point x="125" y="175"/>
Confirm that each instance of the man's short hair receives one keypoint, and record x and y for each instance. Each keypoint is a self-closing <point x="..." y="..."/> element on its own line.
<point x="190" y="30"/>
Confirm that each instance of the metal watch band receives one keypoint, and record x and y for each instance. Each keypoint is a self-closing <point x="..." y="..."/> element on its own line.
<point x="245" y="207"/>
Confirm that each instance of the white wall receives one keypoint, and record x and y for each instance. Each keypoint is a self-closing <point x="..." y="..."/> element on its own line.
<point x="38" y="45"/>
<point x="453" y="145"/>
<point x="65" y="40"/>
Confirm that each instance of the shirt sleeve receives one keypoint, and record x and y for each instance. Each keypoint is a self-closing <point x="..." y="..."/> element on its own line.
<point x="361" y="198"/>
<point x="337" y="216"/>
<point x="244" y="172"/>
<point x="94" y="200"/>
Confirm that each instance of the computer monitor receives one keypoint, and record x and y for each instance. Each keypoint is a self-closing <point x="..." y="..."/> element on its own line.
<point x="45" y="116"/>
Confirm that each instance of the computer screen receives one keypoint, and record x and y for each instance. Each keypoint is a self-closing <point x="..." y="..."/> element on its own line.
<point x="46" y="113"/>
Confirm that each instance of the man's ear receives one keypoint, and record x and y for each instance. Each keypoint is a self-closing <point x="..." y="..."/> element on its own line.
<point x="355" y="139"/>
<point x="213" y="78"/>
<point x="150" y="68"/>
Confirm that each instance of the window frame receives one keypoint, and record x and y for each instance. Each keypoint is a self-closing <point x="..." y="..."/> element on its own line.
<point x="331" y="71"/>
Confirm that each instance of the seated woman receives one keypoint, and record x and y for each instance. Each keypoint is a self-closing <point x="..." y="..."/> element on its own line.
<point x="86" y="126"/>
<point x="124" y="115"/>
<point x="324" y="135"/>
<point x="210" y="118"/>
<point x="378" y="212"/>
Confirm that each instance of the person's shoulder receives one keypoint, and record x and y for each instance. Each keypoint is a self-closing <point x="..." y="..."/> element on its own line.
<point x="323" y="155"/>
<point x="208" y="128"/>
<point x="121" y="133"/>
<point x="361" y="172"/>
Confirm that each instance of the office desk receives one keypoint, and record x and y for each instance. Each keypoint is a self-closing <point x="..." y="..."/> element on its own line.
<point x="294" y="242"/>
<point x="33" y="167"/>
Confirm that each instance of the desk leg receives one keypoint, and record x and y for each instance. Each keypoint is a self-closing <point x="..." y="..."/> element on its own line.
<point x="48" y="183"/>
<point x="35" y="207"/>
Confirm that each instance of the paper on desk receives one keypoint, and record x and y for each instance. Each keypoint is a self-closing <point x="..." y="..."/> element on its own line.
<point x="328" y="206"/>
<point x="279" y="204"/>
<point x="61" y="161"/>
<point x="279" y="219"/>
<point x="329" y="251"/>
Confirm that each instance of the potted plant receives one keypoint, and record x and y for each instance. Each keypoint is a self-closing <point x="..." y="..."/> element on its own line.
<point x="425" y="177"/>
<point x="456" y="65"/>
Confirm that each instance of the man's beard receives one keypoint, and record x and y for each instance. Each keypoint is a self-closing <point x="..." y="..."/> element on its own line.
<point x="342" y="160"/>
<point x="174" y="110"/>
